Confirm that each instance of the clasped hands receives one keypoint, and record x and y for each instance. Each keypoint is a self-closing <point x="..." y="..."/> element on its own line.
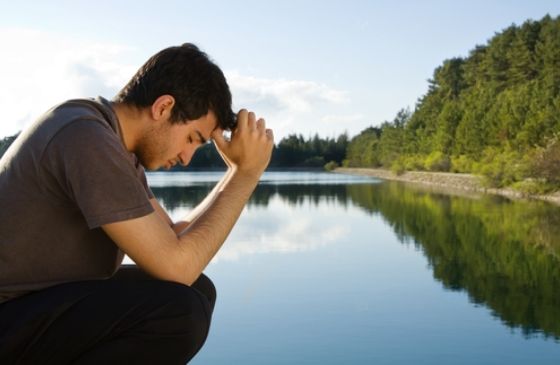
<point x="250" y="147"/>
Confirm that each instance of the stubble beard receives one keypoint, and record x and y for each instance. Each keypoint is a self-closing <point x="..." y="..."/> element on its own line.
<point x="152" y="148"/>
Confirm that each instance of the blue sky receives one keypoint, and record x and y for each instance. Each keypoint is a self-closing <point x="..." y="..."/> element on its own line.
<point x="306" y="66"/>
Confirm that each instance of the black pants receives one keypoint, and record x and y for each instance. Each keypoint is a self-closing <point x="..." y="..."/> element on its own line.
<point x="131" y="318"/>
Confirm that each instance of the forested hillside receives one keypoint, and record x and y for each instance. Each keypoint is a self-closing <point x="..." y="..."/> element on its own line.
<point x="495" y="113"/>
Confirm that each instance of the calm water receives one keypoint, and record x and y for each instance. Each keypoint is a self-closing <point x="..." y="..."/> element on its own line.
<point x="332" y="269"/>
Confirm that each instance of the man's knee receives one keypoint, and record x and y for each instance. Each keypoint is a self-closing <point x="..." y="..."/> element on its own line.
<point x="204" y="285"/>
<point x="182" y="319"/>
<point x="188" y="307"/>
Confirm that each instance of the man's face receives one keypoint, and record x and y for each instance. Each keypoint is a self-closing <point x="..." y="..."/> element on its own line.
<point x="167" y="144"/>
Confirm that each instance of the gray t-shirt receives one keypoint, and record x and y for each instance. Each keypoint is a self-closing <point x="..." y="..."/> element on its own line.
<point x="61" y="179"/>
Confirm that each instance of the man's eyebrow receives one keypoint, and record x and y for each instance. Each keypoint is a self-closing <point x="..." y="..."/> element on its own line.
<point x="201" y="137"/>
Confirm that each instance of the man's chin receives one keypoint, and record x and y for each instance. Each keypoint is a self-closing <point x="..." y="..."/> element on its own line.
<point x="153" y="166"/>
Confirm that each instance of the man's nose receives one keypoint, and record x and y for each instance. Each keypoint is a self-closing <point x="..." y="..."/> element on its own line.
<point x="185" y="156"/>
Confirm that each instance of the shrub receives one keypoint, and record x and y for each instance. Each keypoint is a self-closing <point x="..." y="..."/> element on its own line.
<point x="413" y="162"/>
<point x="462" y="164"/>
<point x="545" y="162"/>
<point x="315" y="161"/>
<point x="502" y="168"/>
<point x="532" y="187"/>
<point x="397" y="167"/>
<point x="437" y="161"/>
<point x="331" y="165"/>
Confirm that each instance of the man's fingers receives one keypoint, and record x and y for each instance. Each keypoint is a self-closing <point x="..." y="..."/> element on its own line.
<point x="261" y="125"/>
<point x="242" y="117"/>
<point x="251" y="120"/>
<point x="269" y="134"/>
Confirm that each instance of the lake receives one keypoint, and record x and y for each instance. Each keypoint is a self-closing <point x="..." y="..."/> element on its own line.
<point x="325" y="268"/>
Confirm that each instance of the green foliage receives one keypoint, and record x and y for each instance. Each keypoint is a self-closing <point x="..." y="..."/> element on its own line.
<point x="362" y="149"/>
<point x="315" y="161"/>
<point x="437" y="161"/>
<point x="530" y="187"/>
<point x="502" y="168"/>
<point x="397" y="167"/>
<point x="462" y="164"/>
<point x="545" y="162"/>
<point x="413" y="162"/>
<point x="296" y="151"/>
<point x="331" y="165"/>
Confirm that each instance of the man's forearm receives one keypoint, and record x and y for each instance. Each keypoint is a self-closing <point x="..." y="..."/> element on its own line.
<point x="180" y="226"/>
<point x="204" y="236"/>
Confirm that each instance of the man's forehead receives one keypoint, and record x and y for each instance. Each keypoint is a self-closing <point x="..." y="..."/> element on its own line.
<point x="205" y="128"/>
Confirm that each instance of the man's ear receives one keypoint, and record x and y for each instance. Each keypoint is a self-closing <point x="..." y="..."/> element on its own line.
<point x="162" y="106"/>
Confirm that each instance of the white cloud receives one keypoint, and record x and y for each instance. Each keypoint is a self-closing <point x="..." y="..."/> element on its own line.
<point x="39" y="70"/>
<point x="282" y="95"/>
<point x="280" y="228"/>
<point x="290" y="238"/>
<point x="290" y="106"/>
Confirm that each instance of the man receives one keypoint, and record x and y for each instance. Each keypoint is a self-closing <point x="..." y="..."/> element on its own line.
<point x="74" y="200"/>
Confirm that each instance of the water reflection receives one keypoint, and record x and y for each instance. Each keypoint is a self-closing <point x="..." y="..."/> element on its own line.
<point x="504" y="254"/>
<point x="174" y="197"/>
<point x="280" y="229"/>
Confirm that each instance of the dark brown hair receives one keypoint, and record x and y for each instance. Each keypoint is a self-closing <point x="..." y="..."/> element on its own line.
<point x="187" y="74"/>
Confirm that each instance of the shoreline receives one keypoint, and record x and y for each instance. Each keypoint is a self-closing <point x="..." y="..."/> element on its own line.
<point x="446" y="180"/>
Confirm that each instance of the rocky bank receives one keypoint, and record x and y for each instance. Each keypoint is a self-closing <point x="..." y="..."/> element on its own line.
<point x="446" y="180"/>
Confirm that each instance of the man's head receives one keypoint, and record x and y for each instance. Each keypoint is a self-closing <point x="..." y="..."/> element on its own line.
<point x="186" y="96"/>
<point x="186" y="73"/>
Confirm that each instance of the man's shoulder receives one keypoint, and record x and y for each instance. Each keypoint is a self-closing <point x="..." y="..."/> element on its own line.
<point x="83" y="119"/>
<point x="77" y="127"/>
<point x="80" y="109"/>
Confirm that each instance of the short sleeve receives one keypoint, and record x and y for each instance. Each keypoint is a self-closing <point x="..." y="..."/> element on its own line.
<point x="94" y="171"/>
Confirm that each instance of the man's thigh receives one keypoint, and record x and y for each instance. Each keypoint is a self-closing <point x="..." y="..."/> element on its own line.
<point x="203" y="284"/>
<point x="61" y="323"/>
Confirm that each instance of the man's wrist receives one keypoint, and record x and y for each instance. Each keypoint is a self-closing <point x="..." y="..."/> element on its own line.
<point x="246" y="174"/>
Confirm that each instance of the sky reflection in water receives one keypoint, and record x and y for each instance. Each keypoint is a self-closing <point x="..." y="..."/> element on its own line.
<point x="340" y="269"/>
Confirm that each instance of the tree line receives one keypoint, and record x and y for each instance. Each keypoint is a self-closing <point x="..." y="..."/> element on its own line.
<point x="293" y="151"/>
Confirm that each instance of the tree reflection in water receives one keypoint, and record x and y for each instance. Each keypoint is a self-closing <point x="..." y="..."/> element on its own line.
<point x="504" y="254"/>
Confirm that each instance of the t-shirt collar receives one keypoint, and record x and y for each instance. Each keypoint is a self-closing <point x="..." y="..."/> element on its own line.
<point x="112" y="117"/>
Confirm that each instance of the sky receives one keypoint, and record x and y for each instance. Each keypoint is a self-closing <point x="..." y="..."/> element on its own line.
<point x="307" y="67"/>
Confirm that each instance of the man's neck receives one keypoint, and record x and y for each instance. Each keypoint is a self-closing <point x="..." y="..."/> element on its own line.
<point x="132" y="121"/>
